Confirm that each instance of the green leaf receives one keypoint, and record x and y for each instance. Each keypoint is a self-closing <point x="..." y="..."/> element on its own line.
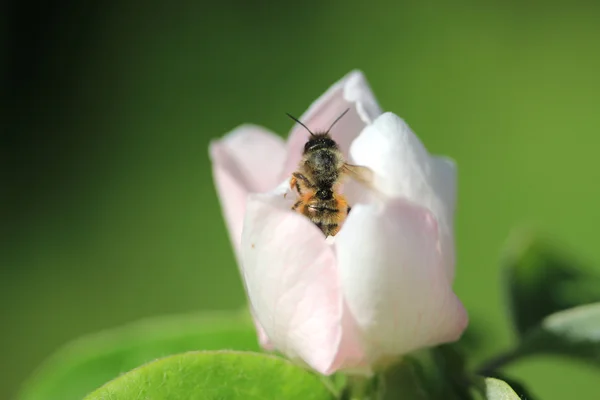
<point x="495" y="389"/>
<point x="85" y="364"/>
<point x="216" y="375"/>
<point x="540" y="281"/>
<point x="517" y="386"/>
<point x="574" y="332"/>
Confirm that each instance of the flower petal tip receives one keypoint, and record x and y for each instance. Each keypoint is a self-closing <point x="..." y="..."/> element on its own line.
<point x="358" y="92"/>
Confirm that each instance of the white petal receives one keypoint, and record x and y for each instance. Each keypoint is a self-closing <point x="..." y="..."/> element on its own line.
<point x="243" y="163"/>
<point x="393" y="279"/>
<point x="444" y="180"/>
<point x="403" y="168"/>
<point x="353" y="92"/>
<point x="292" y="283"/>
<point x="249" y="153"/>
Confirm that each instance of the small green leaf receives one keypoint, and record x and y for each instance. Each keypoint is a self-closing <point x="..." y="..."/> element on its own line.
<point x="574" y="332"/>
<point x="495" y="389"/>
<point x="87" y="363"/>
<point x="541" y="281"/>
<point x="216" y="375"/>
<point x="517" y="386"/>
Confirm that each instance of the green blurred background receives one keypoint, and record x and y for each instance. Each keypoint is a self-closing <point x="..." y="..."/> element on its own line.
<point x="109" y="213"/>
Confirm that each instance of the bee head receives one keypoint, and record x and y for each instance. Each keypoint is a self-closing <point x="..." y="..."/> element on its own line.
<point x="320" y="141"/>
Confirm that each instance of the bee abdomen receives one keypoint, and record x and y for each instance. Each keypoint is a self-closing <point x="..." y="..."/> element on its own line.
<point x="324" y="209"/>
<point x="328" y="229"/>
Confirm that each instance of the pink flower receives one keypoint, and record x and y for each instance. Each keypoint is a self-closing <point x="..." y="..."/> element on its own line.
<point x="383" y="286"/>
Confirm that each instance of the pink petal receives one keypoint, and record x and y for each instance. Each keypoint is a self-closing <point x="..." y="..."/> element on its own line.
<point x="292" y="283"/>
<point x="353" y="92"/>
<point x="394" y="281"/>
<point x="263" y="339"/>
<point x="243" y="162"/>
<point x="404" y="168"/>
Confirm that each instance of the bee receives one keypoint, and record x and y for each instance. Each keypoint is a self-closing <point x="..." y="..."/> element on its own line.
<point x="318" y="180"/>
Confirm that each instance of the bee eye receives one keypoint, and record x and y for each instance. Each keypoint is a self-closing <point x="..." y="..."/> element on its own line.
<point x="307" y="146"/>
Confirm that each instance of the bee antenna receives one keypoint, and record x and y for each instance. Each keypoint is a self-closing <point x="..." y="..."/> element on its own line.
<point x="305" y="127"/>
<point x="337" y="119"/>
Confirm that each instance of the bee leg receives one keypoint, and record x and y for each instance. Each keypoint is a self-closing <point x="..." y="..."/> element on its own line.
<point x="295" y="206"/>
<point x="296" y="177"/>
<point x="348" y="212"/>
<point x="294" y="184"/>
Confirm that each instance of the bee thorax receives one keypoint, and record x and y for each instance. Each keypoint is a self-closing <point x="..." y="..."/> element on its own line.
<point x="324" y="166"/>
<point x="323" y="158"/>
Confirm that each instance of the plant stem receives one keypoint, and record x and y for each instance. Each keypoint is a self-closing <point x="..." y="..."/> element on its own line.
<point x="363" y="388"/>
<point x="359" y="387"/>
<point x="497" y="362"/>
<point x="331" y="386"/>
